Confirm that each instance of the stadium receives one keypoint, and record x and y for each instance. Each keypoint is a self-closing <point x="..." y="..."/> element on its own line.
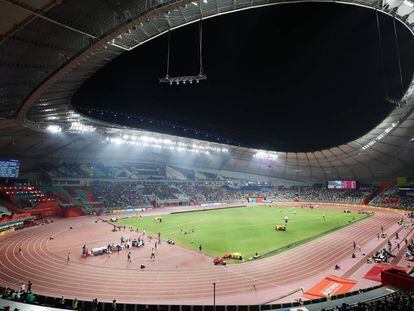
<point x="115" y="208"/>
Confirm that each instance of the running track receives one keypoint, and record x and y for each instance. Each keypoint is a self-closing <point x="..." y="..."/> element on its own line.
<point x="42" y="264"/>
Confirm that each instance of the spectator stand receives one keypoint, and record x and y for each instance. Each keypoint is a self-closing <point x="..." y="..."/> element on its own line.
<point x="375" y="294"/>
<point x="360" y="297"/>
<point x="13" y="305"/>
<point x="28" y="199"/>
<point x="14" y="222"/>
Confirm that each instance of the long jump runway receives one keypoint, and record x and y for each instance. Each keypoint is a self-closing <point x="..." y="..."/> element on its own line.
<point x="176" y="276"/>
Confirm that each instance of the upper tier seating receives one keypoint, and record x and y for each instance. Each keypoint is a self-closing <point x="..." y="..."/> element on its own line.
<point x="116" y="194"/>
<point x="24" y="197"/>
<point x="137" y="171"/>
<point x="146" y="171"/>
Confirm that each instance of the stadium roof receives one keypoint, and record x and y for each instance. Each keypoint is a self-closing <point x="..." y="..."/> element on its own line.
<point x="48" y="49"/>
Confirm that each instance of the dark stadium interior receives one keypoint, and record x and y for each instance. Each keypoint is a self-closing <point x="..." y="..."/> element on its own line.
<point x="271" y="78"/>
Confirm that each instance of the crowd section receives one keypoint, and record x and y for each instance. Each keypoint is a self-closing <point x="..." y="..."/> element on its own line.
<point x="309" y="193"/>
<point x="121" y="194"/>
<point x="24" y="196"/>
<point x="144" y="193"/>
<point x="141" y="193"/>
<point x="202" y="186"/>
<point x="392" y="198"/>
<point x="116" y="195"/>
<point x="398" y="301"/>
<point x="161" y="191"/>
<point x="208" y="192"/>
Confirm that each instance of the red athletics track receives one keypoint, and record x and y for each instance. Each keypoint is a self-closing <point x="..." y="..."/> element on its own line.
<point x="177" y="275"/>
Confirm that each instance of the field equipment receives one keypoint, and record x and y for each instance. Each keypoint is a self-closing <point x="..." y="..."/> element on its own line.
<point x="219" y="261"/>
<point x="280" y="228"/>
<point x="237" y="256"/>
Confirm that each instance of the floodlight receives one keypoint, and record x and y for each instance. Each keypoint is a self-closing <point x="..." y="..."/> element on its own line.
<point x="54" y="128"/>
<point x="408" y="3"/>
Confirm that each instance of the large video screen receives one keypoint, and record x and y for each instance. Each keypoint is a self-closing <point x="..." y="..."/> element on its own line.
<point x="406" y="191"/>
<point x="342" y="184"/>
<point x="9" y="168"/>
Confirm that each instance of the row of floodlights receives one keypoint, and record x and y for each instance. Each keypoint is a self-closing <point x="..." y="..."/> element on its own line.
<point x="163" y="143"/>
<point x="195" y="3"/>
<point x="120" y="141"/>
<point x="145" y="141"/>
<point x="380" y="136"/>
<point x="265" y="155"/>
<point x="183" y="81"/>
<point x="52" y="128"/>
<point x="81" y="128"/>
<point x="75" y="127"/>
<point x="158" y="143"/>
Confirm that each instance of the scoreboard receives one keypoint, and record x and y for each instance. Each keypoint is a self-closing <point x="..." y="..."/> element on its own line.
<point x="9" y="168"/>
<point x="342" y="184"/>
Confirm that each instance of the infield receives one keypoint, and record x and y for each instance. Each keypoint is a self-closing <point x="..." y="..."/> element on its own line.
<point x="246" y="229"/>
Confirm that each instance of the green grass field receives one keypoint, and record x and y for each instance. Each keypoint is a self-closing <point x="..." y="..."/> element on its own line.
<point x="246" y="229"/>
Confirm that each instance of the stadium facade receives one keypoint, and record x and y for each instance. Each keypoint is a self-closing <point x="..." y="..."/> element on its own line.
<point x="48" y="49"/>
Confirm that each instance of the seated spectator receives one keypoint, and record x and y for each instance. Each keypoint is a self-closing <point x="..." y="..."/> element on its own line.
<point x="30" y="298"/>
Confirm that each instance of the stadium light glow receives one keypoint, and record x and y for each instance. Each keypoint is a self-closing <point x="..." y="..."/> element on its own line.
<point x="54" y="128"/>
<point x="81" y="128"/>
<point x="73" y="114"/>
<point x="408" y="3"/>
<point x="163" y="143"/>
<point x="265" y="155"/>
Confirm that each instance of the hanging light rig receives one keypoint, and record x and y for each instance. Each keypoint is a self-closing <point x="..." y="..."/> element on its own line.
<point x="186" y="79"/>
<point x="398" y="103"/>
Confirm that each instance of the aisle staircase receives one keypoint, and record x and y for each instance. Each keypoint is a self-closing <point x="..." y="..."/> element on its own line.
<point x="380" y="189"/>
<point x="4" y="210"/>
<point x="173" y="173"/>
<point x="10" y="206"/>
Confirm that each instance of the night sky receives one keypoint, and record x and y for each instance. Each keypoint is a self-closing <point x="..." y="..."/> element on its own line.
<point x="298" y="77"/>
